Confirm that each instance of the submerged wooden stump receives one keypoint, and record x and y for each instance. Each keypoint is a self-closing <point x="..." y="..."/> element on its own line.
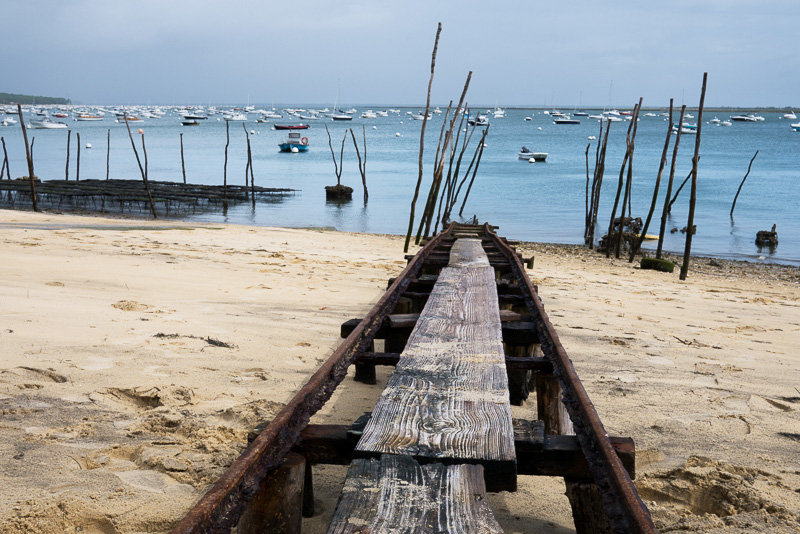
<point x="767" y="238"/>
<point x="338" y="192"/>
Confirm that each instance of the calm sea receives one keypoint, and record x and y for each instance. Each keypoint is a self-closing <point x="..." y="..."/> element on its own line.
<point x="536" y="202"/>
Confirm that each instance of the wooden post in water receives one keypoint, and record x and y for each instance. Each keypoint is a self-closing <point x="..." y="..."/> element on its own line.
<point x="141" y="170"/>
<point x="183" y="164"/>
<point x="225" y="168"/>
<point x="665" y="211"/>
<point x="362" y="168"/>
<point x="108" y="153"/>
<point x="733" y="206"/>
<point x="626" y="199"/>
<point x="66" y="170"/>
<point x="29" y="157"/>
<point x="5" y="157"/>
<point x="144" y="150"/>
<point x="78" y="162"/>
<point x="638" y="244"/>
<point x="693" y="198"/>
<point x="479" y="148"/>
<point x="422" y="140"/>
<point x="619" y="190"/>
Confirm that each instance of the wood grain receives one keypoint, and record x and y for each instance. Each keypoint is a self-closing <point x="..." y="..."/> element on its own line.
<point x="448" y="396"/>
<point x="397" y="495"/>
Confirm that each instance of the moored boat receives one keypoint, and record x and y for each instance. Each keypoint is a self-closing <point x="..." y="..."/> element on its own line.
<point x="796" y="127"/>
<point x="294" y="142"/>
<point x="528" y="154"/>
<point x="291" y="126"/>
<point x="47" y="124"/>
<point x="88" y="117"/>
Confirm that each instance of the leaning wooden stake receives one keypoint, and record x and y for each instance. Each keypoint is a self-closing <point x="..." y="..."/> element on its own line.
<point x="667" y="204"/>
<point x="29" y="157"/>
<point x="475" y="171"/>
<point x="66" y="170"/>
<point x="5" y="157"/>
<point x="638" y="244"/>
<point x="693" y="198"/>
<point x="619" y="189"/>
<point x="362" y="168"/>
<point x="141" y="169"/>
<point x="422" y="141"/>
<point x="183" y="162"/>
<point x="626" y="199"/>
<point x="741" y="184"/>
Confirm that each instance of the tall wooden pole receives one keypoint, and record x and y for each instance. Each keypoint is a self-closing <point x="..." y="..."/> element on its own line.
<point x="66" y="170"/>
<point x="78" y="163"/>
<point x="665" y="211"/>
<point x="662" y="164"/>
<point x="183" y="163"/>
<point x="141" y="170"/>
<point x="225" y="168"/>
<point x="29" y="157"/>
<point x="108" y="153"/>
<point x="422" y="140"/>
<point x="693" y="198"/>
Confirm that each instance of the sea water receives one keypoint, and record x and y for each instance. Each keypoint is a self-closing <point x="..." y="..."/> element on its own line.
<point x="536" y="202"/>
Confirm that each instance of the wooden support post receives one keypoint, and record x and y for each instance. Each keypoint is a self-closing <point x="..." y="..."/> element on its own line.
<point x="365" y="372"/>
<point x="550" y="408"/>
<point x="277" y="505"/>
<point x="108" y="153"/>
<point x="78" y="162"/>
<point x="308" y="492"/>
<point x="587" y="507"/>
<point x="519" y="380"/>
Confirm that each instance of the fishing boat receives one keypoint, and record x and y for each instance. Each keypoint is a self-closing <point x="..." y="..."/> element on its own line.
<point x="528" y="154"/>
<point x="294" y="142"/>
<point x="291" y="126"/>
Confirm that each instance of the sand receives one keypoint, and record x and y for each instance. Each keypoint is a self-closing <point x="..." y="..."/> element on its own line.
<point x="137" y="355"/>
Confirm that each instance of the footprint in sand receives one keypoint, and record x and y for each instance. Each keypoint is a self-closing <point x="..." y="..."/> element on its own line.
<point x="130" y="305"/>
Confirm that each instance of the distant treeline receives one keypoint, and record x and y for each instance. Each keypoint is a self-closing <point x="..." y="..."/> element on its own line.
<point x="11" y="98"/>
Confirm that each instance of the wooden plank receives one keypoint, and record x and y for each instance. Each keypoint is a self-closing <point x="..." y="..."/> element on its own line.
<point x="395" y="494"/>
<point x="448" y="396"/>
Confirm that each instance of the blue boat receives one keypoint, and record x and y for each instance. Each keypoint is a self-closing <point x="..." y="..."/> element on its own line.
<point x="294" y="142"/>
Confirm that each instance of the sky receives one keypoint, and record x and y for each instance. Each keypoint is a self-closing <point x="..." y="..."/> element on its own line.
<point x="555" y="54"/>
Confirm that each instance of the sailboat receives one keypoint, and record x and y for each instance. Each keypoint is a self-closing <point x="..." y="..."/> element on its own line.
<point x="577" y="113"/>
<point x="337" y="114"/>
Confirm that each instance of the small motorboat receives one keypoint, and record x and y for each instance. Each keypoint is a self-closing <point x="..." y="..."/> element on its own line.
<point x="46" y="124"/>
<point x="566" y="120"/>
<point x="480" y="120"/>
<point x="294" y="142"/>
<point x="190" y="122"/>
<point x="528" y="154"/>
<point x="796" y="127"/>
<point x="744" y="118"/>
<point x="292" y="126"/>
<point x="88" y="117"/>
<point x="790" y="115"/>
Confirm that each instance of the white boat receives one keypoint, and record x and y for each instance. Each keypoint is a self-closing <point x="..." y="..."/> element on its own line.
<point x="796" y="127"/>
<point x="714" y="121"/>
<point x="790" y="115"/>
<point x="47" y="124"/>
<point x="369" y="114"/>
<point x="565" y="120"/>
<point x="726" y="123"/>
<point x="235" y="117"/>
<point x="9" y="120"/>
<point x="745" y="118"/>
<point x="480" y="120"/>
<point x="88" y="117"/>
<point x="527" y="155"/>
<point x="341" y="117"/>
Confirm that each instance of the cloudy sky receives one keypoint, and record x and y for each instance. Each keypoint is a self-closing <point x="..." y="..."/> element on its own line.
<point x="561" y="53"/>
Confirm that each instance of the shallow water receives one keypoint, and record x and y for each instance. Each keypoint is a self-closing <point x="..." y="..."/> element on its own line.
<point x="536" y="202"/>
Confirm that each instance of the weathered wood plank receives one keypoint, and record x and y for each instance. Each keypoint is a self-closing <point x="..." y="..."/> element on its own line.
<point x="448" y="396"/>
<point x="396" y="495"/>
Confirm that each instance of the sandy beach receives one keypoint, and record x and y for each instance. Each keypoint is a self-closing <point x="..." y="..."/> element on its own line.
<point x="138" y="354"/>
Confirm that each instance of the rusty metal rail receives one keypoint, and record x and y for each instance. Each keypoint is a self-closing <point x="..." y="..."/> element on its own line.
<point x="624" y="508"/>
<point x="222" y="506"/>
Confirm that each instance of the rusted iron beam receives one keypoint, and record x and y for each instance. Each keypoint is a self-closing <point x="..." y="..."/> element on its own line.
<point x="515" y="332"/>
<point x="222" y="505"/>
<point x="625" y="510"/>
